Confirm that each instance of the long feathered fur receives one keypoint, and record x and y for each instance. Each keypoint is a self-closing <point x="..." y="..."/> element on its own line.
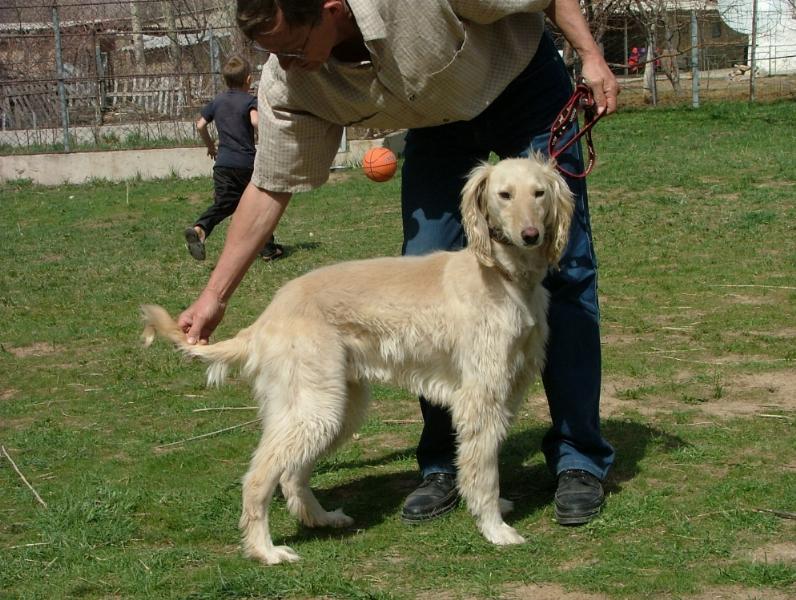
<point x="465" y="329"/>
<point x="221" y="355"/>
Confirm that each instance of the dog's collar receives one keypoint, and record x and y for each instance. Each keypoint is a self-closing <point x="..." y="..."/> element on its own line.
<point x="499" y="237"/>
<point x="504" y="272"/>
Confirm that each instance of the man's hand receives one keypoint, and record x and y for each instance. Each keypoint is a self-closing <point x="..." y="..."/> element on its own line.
<point x="201" y="318"/>
<point x="201" y="127"/>
<point x="569" y="19"/>
<point x="602" y="82"/>
<point x="254" y="222"/>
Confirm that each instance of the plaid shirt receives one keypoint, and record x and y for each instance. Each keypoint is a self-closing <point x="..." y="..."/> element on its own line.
<point x="431" y="62"/>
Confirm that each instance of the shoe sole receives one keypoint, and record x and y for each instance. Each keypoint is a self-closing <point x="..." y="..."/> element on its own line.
<point x="447" y="506"/>
<point x="196" y="247"/>
<point x="580" y="518"/>
<point x="271" y="257"/>
<point x="277" y="253"/>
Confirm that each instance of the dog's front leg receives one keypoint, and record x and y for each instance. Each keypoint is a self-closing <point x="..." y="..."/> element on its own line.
<point x="480" y="430"/>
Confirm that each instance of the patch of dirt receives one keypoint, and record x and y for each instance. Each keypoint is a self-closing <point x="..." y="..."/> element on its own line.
<point x="576" y="564"/>
<point x="7" y="394"/>
<point x="619" y="339"/>
<point x="743" y="395"/>
<point x="784" y="333"/>
<point x="441" y="595"/>
<point x="784" y="552"/>
<point x="35" y="349"/>
<point x="547" y="591"/>
<point x="756" y="393"/>
<point x="751" y="300"/>
<point x="740" y="593"/>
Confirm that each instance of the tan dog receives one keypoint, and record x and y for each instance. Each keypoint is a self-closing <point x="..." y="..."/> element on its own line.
<point x="465" y="329"/>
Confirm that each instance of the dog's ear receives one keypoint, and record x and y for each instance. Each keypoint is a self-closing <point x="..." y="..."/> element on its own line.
<point x="473" y="208"/>
<point x="559" y="213"/>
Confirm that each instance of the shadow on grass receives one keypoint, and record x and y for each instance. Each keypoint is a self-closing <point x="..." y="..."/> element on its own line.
<point x="373" y="498"/>
<point x="289" y="249"/>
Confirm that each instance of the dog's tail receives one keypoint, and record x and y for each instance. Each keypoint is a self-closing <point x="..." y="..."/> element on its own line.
<point x="221" y="355"/>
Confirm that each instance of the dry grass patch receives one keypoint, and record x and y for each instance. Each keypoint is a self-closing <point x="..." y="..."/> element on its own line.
<point x="738" y="593"/>
<point x="547" y="591"/>
<point x="783" y="552"/>
<point x="35" y="349"/>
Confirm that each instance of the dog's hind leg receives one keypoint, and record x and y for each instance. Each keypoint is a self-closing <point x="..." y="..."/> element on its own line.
<point x="258" y="488"/>
<point x="303" y="504"/>
<point x="295" y="481"/>
<point x="481" y="426"/>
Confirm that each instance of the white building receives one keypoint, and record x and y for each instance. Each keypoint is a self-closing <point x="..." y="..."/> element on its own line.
<point x="775" y="32"/>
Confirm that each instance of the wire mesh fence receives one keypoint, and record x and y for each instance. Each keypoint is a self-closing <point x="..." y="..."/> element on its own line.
<point x="131" y="73"/>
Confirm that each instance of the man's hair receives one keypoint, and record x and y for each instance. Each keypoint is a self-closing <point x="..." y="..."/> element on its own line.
<point x="236" y="71"/>
<point x="256" y="16"/>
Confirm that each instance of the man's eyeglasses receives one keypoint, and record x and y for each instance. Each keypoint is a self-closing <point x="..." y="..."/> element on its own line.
<point x="294" y="54"/>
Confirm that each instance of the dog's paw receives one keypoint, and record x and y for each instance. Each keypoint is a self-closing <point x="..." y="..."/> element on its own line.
<point x="503" y="535"/>
<point x="506" y="506"/>
<point x="336" y="518"/>
<point x="274" y="555"/>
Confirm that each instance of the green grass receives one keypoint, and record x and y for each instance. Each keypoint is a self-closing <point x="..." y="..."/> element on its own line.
<point x="132" y="141"/>
<point x="693" y="215"/>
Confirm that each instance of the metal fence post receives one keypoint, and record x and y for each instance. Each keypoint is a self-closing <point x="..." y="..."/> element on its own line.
<point x="59" y="67"/>
<point x="98" y="84"/>
<point x="694" y="60"/>
<point x="752" y="60"/>
<point x="626" y="54"/>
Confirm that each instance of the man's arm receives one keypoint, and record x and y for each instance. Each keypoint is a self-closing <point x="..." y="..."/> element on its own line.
<point x="254" y="119"/>
<point x="201" y="127"/>
<point x="253" y="223"/>
<point x="568" y="18"/>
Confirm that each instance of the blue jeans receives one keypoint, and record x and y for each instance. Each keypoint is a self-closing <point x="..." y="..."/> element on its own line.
<point x="436" y="163"/>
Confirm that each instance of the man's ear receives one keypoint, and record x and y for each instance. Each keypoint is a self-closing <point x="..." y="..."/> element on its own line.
<point x="334" y="6"/>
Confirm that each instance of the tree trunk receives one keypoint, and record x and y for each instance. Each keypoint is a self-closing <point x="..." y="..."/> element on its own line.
<point x="138" y="36"/>
<point x="650" y="88"/>
<point x="669" y="58"/>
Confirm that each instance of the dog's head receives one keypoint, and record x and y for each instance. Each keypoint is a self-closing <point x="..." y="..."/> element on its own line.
<point x="524" y="202"/>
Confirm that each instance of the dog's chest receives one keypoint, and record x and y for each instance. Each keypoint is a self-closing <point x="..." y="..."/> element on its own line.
<point x="527" y="306"/>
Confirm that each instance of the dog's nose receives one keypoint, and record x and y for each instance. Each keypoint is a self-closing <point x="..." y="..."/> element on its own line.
<point x="530" y="235"/>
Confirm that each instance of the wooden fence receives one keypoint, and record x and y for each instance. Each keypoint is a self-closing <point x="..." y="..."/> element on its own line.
<point x="166" y="96"/>
<point x="33" y="105"/>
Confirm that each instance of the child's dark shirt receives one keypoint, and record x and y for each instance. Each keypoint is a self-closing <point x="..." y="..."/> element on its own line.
<point x="230" y="112"/>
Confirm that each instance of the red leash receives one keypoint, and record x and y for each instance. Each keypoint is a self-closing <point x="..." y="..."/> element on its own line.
<point x="582" y="99"/>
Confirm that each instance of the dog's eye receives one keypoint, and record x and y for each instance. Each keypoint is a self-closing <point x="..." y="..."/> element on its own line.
<point x="505" y="195"/>
<point x="539" y="193"/>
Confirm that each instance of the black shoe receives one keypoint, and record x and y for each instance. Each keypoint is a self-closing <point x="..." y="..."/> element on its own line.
<point x="272" y="251"/>
<point x="434" y="497"/>
<point x="578" y="498"/>
<point x="194" y="244"/>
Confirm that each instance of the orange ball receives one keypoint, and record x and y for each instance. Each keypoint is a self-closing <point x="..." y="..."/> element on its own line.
<point x="379" y="164"/>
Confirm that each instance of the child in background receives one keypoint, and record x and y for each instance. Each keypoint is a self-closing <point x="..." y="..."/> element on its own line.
<point x="234" y="112"/>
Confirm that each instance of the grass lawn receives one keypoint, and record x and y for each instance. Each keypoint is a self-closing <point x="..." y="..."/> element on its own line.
<point x="693" y="215"/>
